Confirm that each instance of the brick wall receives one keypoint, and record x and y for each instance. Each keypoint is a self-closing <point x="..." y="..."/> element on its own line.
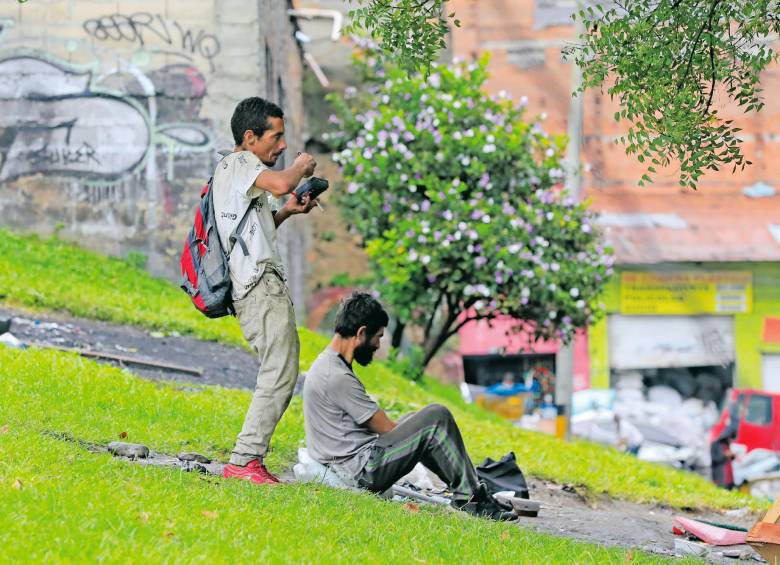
<point x="111" y="112"/>
<point x="525" y="38"/>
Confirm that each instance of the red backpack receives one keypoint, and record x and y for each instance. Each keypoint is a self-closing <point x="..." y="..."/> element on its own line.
<point x="204" y="264"/>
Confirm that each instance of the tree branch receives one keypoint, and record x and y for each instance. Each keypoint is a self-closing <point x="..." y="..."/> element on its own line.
<point x="429" y="324"/>
<point x="704" y="26"/>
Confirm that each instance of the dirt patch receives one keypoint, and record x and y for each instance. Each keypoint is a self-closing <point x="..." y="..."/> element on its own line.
<point x="610" y="522"/>
<point x="224" y="365"/>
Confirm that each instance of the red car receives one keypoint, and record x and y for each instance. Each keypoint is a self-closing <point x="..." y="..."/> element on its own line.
<point x="759" y="419"/>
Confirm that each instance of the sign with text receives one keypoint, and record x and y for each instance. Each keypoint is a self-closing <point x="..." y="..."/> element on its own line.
<point x="686" y="292"/>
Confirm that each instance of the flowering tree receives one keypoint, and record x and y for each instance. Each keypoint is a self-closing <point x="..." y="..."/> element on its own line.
<point x="457" y="200"/>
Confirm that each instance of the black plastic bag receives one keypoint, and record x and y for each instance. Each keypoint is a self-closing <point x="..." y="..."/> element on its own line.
<point x="503" y="474"/>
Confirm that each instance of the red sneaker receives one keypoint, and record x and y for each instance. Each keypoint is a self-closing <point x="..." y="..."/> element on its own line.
<point x="253" y="471"/>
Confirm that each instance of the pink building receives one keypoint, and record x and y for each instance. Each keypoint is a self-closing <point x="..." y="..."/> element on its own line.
<point x="489" y="350"/>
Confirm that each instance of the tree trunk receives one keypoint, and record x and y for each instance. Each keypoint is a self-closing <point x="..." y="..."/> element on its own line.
<point x="438" y="338"/>
<point x="398" y="334"/>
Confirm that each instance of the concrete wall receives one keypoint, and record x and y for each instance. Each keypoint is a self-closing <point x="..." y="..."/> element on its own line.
<point x="111" y="112"/>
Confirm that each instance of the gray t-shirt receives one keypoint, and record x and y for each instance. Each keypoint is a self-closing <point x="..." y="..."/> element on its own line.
<point x="335" y="407"/>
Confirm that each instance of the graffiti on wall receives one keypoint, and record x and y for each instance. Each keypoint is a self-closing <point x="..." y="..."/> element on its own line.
<point x="115" y="145"/>
<point x="152" y="30"/>
<point x="51" y="122"/>
<point x="58" y="120"/>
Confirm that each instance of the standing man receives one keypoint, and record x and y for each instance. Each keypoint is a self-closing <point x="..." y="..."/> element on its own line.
<point x="349" y="432"/>
<point x="243" y="181"/>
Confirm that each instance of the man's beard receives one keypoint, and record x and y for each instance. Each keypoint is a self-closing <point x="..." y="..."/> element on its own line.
<point x="364" y="353"/>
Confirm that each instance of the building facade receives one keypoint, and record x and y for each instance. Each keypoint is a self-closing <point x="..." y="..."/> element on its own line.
<point x="700" y="265"/>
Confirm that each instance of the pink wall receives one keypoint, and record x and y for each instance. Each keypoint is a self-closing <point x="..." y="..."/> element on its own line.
<point x="479" y="338"/>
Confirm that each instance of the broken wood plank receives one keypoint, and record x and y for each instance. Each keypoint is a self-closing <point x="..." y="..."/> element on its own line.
<point x="122" y="358"/>
<point x="765" y="539"/>
<point x="773" y="513"/>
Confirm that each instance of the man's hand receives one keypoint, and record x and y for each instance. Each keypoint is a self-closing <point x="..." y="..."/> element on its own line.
<point x="306" y="163"/>
<point x="292" y="207"/>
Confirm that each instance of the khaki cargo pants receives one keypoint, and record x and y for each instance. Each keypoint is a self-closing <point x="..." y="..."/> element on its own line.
<point x="267" y="321"/>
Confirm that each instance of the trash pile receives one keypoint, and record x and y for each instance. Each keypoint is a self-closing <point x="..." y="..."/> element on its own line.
<point x="503" y="478"/>
<point x="6" y="337"/>
<point x="701" y="538"/>
<point x="657" y="425"/>
<point x="760" y="470"/>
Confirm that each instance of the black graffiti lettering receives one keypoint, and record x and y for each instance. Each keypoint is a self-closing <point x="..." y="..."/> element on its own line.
<point x="141" y="27"/>
<point x="64" y="156"/>
<point x="229" y="215"/>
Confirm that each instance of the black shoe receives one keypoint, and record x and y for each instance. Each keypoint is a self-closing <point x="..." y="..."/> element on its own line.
<point x="483" y="505"/>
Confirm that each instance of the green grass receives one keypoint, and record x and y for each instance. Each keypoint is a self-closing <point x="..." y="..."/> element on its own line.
<point x="63" y="504"/>
<point x="56" y="275"/>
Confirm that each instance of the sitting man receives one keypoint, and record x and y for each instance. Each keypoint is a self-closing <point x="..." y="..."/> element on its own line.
<point x="346" y="430"/>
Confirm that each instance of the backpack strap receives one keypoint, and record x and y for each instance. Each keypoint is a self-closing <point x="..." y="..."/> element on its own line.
<point x="235" y="237"/>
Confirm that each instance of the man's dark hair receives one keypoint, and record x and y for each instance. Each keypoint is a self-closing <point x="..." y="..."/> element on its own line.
<point x="360" y="309"/>
<point x="253" y="113"/>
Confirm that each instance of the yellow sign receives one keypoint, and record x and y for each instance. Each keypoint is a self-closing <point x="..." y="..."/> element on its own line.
<point x="686" y="292"/>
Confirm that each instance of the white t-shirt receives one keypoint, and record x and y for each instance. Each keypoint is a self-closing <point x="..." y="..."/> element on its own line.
<point x="234" y="191"/>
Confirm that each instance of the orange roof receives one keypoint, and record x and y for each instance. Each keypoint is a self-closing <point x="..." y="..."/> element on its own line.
<point x="659" y="224"/>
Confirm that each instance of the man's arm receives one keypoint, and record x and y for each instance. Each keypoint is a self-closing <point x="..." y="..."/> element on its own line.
<point x="284" y="182"/>
<point x="379" y="423"/>
<point x="291" y="207"/>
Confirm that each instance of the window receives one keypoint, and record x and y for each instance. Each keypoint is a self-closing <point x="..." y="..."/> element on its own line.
<point x="759" y="410"/>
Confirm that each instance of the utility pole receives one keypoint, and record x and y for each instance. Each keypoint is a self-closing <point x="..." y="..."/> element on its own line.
<point x="564" y="362"/>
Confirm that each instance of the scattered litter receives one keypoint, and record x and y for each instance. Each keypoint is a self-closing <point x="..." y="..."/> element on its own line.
<point x="131" y="450"/>
<point x="8" y="339"/>
<point x="687" y="547"/>
<point x="156" y="334"/>
<point x="465" y="392"/>
<point x="197" y="457"/>
<point x="126" y="349"/>
<point x="423" y="479"/>
<point x="737" y="513"/>
<point x="711" y="534"/>
<point x="5" y="326"/>
<point x="401" y="492"/>
<point x="755" y="464"/>
<point x="308" y="470"/>
<point x="741" y="554"/>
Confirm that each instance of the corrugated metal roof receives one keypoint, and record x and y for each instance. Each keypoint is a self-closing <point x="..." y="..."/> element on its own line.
<point x="656" y="225"/>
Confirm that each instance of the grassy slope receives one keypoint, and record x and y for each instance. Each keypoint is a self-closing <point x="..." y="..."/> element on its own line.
<point x="63" y="503"/>
<point x="110" y="511"/>
<point x="56" y="275"/>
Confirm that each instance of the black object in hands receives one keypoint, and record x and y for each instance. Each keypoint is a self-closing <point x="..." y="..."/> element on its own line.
<point x="313" y="187"/>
